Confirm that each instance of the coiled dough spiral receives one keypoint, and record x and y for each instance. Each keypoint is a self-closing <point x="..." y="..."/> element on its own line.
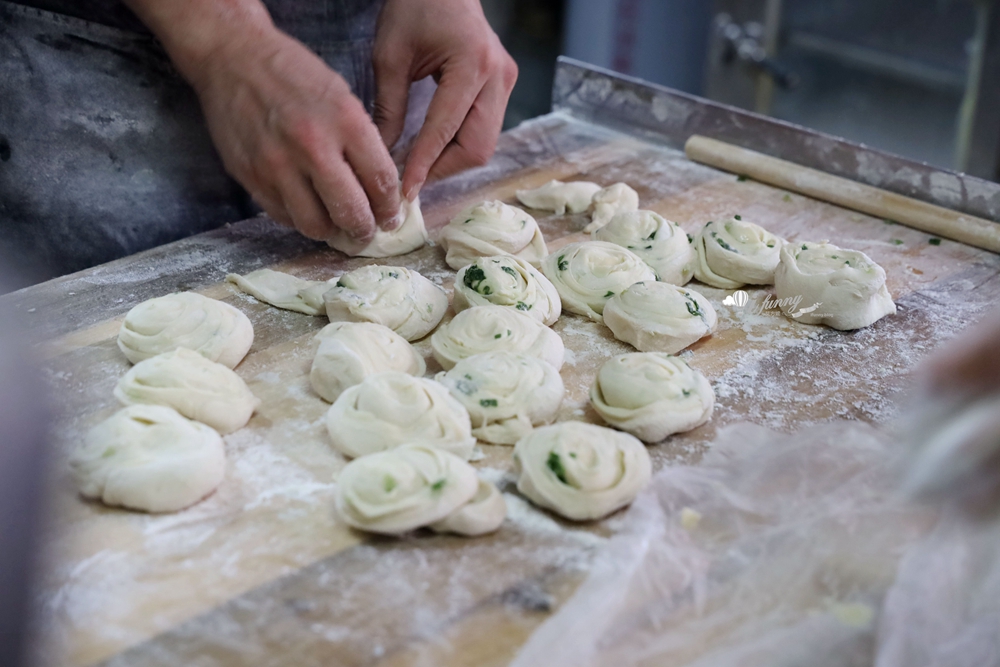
<point x="736" y="252"/>
<point x="609" y="202"/>
<point x="659" y="242"/>
<point x="409" y="236"/>
<point x="488" y="328"/>
<point x="659" y="317"/>
<point x="483" y="514"/>
<point x="507" y="281"/>
<point x="492" y="228"/>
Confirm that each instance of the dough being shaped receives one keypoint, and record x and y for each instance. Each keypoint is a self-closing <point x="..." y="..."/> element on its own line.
<point x="507" y="281"/>
<point x="560" y="197"/>
<point x="403" y="489"/>
<point x="197" y="388"/>
<point x="490" y="328"/>
<point x="587" y="274"/>
<point x="406" y="238"/>
<point x="657" y="241"/>
<point x="398" y="298"/>
<point x="489" y="229"/>
<point x="149" y="458"/>
<point x="651" y="395"/>
<point x="659" y="317"/>
<point x="506" y="393"/>
<point x="387" y="410"/>
<point x="351" y="351"/>
<point x="481" y="515"/>
<point x="609" y="202"/>
<point x="819" y="283"/>
<point x="735" y="252"/>
<point x="282" y="290"/>
<point x="213" y="329"/>
<point x="581" y="471"/>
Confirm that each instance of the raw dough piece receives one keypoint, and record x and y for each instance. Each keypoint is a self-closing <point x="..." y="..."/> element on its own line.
<point x="399" y="298"/>
<point x="659" y="317"/>
<point x="213" y="329"/>
<point x="659" y="242"/>
<point x="819" y="283"/>
<point x="351" y="351"/>
<point x="282" y="290"/>
<point x="507" y="281"/>
<point x="560" y="197"/>
<point x="197" y="388"/>
<point x="651" y="395"/>
<point x="387" y="410"/>
<point x="588" y="274"/>
<point x="609" y="202"/>
<point x="481" y="515"/>
<point x="581" y="471"/>
<point x="403" y="489"/>
<point x="406" y="238"/>
<point x="149" y="458"/>
<point x="488" y="328"/>
<point x="489" y="229"/>
<point x="506" y="393"/>
<point x="735" y="252"/>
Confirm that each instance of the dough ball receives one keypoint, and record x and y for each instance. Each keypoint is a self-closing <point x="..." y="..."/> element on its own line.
<point x="609" y="202"/>
<point x="351" y="351"/>
<point x="581" y="471"/>
<point x="199" y="389"/>
<point x="403" y="489"/>
<point x="387" y="410"/>
<point x="213" y="329"/>
<point x="506" y="393"/>
<point x="735" y="252"/>
<point x="406" y="238"/>
<point x="659" y="242"/>
<point x="587" y="274"/>
<point x="398" y="298"/>
<point x="560" y="197"/>
<point x="819" y="283"/>
<point x="651" y="395"/>
<point x="490" y="328"/>
<point x="481" y="515"/>
<point x="659" y="317"/>
<point x="149" y="458"/>
<point x="507" y="281"/>
<point x="489" y="229"/>
<point x="282" y="290"/>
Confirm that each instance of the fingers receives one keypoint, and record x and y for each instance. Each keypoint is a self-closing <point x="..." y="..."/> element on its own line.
<point x="376" y="172"/>
<point x="392" y="91"/>
<point x="969" y="364"/>
<point x="302" y="205"/>
<point x="345" y="200"/>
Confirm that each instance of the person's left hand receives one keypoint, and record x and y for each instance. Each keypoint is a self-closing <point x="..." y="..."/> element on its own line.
<point x="452" y="41"/>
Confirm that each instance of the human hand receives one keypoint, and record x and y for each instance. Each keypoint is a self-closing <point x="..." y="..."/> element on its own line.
<point x="968" y="365"/>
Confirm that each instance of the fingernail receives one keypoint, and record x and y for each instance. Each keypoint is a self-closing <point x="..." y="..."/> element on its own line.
<point x="414" y="190"/>
<point x="393" y="223"/>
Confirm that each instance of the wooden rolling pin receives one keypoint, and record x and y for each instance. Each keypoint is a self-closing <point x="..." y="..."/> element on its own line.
<point x="844" y="192"/>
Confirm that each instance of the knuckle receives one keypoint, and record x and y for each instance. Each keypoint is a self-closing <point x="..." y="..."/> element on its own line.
<point x="510" y="72"/>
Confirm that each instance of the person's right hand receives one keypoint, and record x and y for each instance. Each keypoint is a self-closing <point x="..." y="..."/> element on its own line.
<point x="968" y="365"/>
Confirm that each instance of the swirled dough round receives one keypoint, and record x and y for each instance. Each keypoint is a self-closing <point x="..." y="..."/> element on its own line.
<point x="492" y="228"/>
<point x="735" y="252"/>
<point x="409" y="236"/>
<point x="579" y="470"/>
<point x="651" y="395"/>
<point x="659" y="317"/>
<point x="398" y="298"/>
<point x="609" y="202"/>
<point x="282" y="290"/>
<point x="149" y="458"/>
<point x="507" y="281"/>
<point x="560" y="197"/>
<point x="489" y="328"/>
<point x="387" y="410"/>
<point x="351" y="351"/>
<point x="587" y="274"/>
<point x="481" y="515"/>
<point x="199" y="389"/>
<point x="819" y="283"/>
<point x="657" y="241"/>
<point x="403" y="489"/>
<point x="506" y="393"/>
<point x="213" y="329"/>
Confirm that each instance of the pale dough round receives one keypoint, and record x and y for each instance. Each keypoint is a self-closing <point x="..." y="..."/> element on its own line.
<point x="507" y="281"/>
<point x="488" y="328"/>
<point x="492" y="228"/>
<point x="282" y="290"/>
<point x="659" y="317"/>
<point x="560" y="197"/>
<point x="609" y="202"/>
<point x="481" y="515"/>
<point x="409" y="236"/>
<point x="659" y="242"/>
<point x="736" y="252"/>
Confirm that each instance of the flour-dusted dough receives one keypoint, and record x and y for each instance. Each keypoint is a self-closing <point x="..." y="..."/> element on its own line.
<point x="489" y="328"/>
<point x="579" y="470"/>
<point x="282" y="290"/>
<point x="398" y="298"/>
<point x="659" y="317"/>
<point x="588" y="274"/>
<point x="651" y="395"/>
<point x="481" y="515"/>
<point x="199" y="389"/>
<point x="351" y="351"/>
<point x="492" y="228"/>
<point x="819" y="283"/>
<point x="213" y="329"/>
<point x="736" y="252"/>
<point x="659" y="242"/>
<point x="560" y="197"/>
<point x="149" y="458"/>
<point x="406" y="238"/>
<point x="507" y="281"/>
<point x="387" y="410"/>
<point x="403" y="489"/>
<point x="506" y="393"/>
<point x="609" y="202"/>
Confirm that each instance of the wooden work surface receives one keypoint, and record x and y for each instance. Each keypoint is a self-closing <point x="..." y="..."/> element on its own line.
<point x="262" y="573"/>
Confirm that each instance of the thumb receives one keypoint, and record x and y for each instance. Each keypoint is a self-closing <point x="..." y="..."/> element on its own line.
<point x="392" y="92"/>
